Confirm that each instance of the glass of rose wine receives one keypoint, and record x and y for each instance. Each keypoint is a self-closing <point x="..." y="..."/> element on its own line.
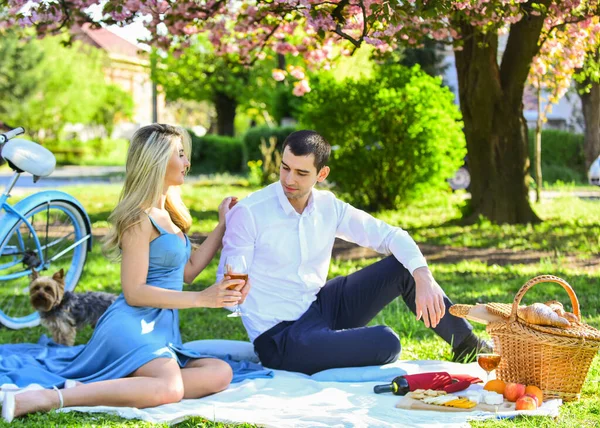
<point x="488" y="362"/>
<point x="236" y="268"/>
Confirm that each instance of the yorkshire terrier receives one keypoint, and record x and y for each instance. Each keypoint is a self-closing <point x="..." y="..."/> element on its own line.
<point x="63" y="313"/>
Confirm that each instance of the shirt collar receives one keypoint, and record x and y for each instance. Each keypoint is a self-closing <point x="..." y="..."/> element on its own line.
<point x="287" y="206"/>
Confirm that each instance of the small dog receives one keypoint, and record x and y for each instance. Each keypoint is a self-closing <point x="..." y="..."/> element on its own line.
<point x="63" y="313"/>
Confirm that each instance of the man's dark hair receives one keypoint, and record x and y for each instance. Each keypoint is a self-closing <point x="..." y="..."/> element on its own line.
<point x="303" y="143"/>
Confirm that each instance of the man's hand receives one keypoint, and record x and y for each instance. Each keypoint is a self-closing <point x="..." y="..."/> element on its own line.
<point x="429" y="297"/>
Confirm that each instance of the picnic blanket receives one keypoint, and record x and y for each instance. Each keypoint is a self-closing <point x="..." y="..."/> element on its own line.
<point x="331" y="398"/>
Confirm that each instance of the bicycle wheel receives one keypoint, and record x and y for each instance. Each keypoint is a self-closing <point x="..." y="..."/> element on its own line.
<point x="57" y="239"/>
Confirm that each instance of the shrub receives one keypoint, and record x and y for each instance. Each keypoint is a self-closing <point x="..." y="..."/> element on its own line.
<point x="215" y="153"/>
<point x="253" y="138"/>
<point x="95" y="151"/>
<point x="562" y="156"/>
<point x="285" y="104"/>
<point x="395" y="135"/>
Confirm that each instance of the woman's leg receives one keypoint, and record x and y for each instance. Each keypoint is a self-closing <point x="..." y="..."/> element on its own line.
<point x="155" y="383"/>
<point x="205" y="376"/>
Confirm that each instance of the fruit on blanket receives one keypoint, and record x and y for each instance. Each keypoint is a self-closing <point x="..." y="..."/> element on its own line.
<point x="526" y="403"/>
<point x="514" y="391"/>
<point x="537" y="402"/>
<point x="535" y="391"/>
<point x="495" y="385"/>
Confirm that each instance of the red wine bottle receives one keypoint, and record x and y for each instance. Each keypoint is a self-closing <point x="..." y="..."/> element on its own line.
<point x="399" y="386"/>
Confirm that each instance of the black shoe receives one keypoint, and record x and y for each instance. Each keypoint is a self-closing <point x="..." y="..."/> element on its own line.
<point x="468" y="349"/>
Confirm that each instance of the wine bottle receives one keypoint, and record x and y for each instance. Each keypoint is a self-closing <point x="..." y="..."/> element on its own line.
<point x="399" y="386"/>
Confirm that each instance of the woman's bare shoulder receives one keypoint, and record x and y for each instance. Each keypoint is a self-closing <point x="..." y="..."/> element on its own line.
<point x="140" y="231"/>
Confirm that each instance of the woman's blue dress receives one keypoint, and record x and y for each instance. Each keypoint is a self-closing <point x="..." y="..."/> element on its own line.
<point x="125" y="338"/>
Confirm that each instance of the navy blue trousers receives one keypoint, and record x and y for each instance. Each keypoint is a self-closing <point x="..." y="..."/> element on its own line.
<point x="333" y="333"/>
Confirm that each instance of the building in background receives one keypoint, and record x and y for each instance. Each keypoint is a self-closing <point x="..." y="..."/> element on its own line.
<point x="565" y="115"/>
<point x="129" y="68"/>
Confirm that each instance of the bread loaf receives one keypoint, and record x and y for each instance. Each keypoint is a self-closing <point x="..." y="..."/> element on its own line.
<point x="541" y="314"/>
<point x="558" y="308"/>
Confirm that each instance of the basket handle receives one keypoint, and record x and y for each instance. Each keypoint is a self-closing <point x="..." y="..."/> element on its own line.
<point x="540" y="279"/>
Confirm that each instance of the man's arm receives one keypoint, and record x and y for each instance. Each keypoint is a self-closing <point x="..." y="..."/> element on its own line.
<point x="239" y="238"/>
<point x="365" y="230"/>
<point x="357" y="226"/>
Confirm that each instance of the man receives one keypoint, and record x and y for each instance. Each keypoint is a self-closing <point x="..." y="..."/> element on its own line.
<point x="296" y="319"/>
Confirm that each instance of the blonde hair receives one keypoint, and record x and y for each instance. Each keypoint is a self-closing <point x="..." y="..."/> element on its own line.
<point x="149" y="152"/>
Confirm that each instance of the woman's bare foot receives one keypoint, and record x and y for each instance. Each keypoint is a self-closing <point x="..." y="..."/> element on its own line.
<point x="36" y="401"/>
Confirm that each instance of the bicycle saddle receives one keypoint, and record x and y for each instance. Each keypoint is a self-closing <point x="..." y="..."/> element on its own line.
<point x="24" y="155"/>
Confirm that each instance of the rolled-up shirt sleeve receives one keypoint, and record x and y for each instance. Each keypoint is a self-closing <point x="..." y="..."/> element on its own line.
<point x="365" y="230"/>
<point x="239" y="238"/>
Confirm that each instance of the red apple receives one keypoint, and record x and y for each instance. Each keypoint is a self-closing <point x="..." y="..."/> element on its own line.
<point x="526" y="403"/>
<point x="535" y="398"/>
<point x="514" y="391"/>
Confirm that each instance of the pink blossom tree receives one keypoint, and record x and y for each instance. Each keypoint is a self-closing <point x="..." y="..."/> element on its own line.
<point x="588" y="88"/>
<point x="490" y="85"/>
<point x="562" y="54"/>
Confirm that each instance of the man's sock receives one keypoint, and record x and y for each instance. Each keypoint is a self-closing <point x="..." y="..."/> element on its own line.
<point x="467" y="350"/>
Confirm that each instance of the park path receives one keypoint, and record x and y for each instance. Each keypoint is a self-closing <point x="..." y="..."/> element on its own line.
<point x="343" y="250"/>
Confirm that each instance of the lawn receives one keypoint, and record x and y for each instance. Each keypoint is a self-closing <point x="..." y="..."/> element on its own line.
<point x="570" y="233"/>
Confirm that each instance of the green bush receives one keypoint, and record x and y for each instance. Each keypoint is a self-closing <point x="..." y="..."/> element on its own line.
<point x="95" y="151"/>
<point x="253" y="138"/>
<point x="285" y="104"/>
<point x="562" y="156"/>
<point x="215" y="153"/>
<point x="396" y="135"/>
<point x="559" y="173"/>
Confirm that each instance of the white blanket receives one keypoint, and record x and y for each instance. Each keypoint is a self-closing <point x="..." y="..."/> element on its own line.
<point x="293" y="400"/>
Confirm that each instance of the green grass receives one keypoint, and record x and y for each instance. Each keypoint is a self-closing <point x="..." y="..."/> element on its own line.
<point x="572" y="226"/>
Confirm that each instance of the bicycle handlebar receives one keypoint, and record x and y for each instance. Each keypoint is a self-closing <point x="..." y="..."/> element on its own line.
<point x="11" y="134"/>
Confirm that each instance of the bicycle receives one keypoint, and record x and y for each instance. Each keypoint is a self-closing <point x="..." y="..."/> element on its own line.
<point x="48" y="229"/>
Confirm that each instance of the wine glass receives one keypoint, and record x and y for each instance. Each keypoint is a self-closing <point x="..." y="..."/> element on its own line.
<point x="236" y="268"/>
<point x="488" y="362"/>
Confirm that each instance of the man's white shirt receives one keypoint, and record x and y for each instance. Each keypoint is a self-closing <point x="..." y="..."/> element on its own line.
<point x="288" y="253"/>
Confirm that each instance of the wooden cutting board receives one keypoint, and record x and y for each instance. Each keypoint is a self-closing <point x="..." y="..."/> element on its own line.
<point x="412" y="404"/>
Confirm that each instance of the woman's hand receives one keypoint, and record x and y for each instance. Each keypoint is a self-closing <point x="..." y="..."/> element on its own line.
<point x="245" y="290"/>
<point x="227" y="204"/>
<point x="222" y="293"/>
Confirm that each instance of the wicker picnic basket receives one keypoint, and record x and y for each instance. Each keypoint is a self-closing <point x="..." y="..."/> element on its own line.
<point x="556" y="360"/>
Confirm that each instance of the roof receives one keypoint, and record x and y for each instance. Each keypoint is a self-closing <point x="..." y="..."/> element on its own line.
<point x="110" y="42"/>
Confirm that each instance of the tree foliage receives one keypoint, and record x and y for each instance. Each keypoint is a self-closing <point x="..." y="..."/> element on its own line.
<point x="396" y="134"/>
<point x="45" y="85"/>
<point x="196" y="73"/>
<point x="491" y="86"/>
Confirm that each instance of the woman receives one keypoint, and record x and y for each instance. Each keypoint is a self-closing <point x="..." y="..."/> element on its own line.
<point x="135" y="357"/>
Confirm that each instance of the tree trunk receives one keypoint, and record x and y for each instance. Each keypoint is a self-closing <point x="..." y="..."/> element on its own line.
<point x="538" y="147"/>
<point x="491" y="101"/>
<point x="590" y="105"/>
<point x="225" y="107"/>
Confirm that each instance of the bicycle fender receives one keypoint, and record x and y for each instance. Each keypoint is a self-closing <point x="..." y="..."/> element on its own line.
<point x="32" y="201"/>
